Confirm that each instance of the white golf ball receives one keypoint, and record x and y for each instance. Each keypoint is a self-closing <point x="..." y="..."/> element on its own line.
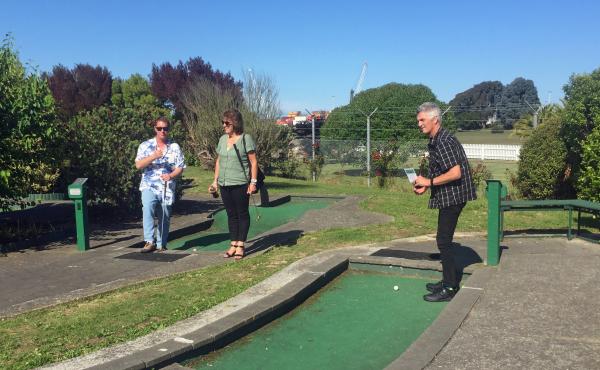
<point x="396" y="287"/>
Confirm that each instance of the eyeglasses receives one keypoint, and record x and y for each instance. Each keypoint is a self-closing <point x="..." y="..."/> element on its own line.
<point x="158" y="128"/>
<point x="226" y="123"/>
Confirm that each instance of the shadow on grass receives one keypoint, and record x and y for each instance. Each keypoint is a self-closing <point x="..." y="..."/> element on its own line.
<point x="282" y="185"/>
<point x="196" y="206"/>
<point x="204" y="241"/>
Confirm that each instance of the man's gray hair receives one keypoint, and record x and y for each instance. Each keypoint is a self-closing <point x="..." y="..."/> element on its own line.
<point x="432" y="108"/>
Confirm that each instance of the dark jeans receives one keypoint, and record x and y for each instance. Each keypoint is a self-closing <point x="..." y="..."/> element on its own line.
<point x="236" y="204"/>
<point x="447" y="219"/>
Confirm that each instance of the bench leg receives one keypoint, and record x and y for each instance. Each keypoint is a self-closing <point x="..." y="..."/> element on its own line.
<point x="569" y="233"/>
<point x="501" y="231"/>
<point x="578" y="221"/>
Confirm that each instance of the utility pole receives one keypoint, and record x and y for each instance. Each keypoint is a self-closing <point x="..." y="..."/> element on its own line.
<point x="368" y="144"/>
<point x="446" y="111"/>
<point x="535" y="113"/>
<point x="314" y="175"/>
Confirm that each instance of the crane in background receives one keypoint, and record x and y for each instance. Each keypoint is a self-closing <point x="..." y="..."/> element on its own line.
<point x="361" y="79"/>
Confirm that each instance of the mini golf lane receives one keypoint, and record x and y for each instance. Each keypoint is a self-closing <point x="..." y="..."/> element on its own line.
<point x="216" y="238"/>
<point x="357" y="322"/>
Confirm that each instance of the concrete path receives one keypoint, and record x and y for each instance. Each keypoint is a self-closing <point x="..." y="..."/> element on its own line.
<point x="540" y="310"/>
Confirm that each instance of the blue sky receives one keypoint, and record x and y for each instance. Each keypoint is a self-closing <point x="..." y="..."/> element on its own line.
<point x="315" y="49"/>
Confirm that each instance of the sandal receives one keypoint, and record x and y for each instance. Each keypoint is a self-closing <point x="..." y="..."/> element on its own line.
<point x="230" y="252"/>
<point x="239" y="255"/>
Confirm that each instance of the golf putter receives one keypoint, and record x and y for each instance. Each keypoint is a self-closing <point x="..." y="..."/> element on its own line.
<point x="255" y="207"/>
<point x="164" y="209"/>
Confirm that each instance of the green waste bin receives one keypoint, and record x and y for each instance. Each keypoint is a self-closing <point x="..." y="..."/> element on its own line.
<point x="78" y="193"/>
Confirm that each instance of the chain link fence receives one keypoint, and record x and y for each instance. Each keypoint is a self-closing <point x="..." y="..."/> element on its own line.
<point x="385" y="159"/>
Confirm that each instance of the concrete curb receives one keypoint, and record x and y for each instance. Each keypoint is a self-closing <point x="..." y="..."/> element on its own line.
<point x="267" y="300"/>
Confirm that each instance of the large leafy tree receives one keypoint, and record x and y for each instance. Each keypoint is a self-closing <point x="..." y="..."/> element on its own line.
<point x="516" y="100"/>
<point x="588" y="182"/>
<point x="82" y="88"/>
<point x="395" y="118"/>
<point x="168" y="82"/>
<point x="582" y="111"/>
<point x="27" y="130"/>
<point x="132" y="92"/>
<point x="473" y="107"/>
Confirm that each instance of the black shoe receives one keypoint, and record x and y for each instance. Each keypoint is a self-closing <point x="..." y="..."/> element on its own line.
<point x="434" y="287"/>
<point x="443" y="295"/>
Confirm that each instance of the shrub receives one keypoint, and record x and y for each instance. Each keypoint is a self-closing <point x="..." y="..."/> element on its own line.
<point x="315" y="166"/>
<point x="102" y="147"/>
<point x="479" y="174"/>
<point x="542" y="163"/>
<point x="497" y="129"/>
<point x="513" y="184"/>
<point x="588" y="183"/>
<point x="29" y="130"/>
<point x="382" y="163"/>
<point x="289" y="167"/>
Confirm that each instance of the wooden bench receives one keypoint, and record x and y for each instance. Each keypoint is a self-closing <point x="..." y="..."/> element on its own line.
<point x="498" y="205"/>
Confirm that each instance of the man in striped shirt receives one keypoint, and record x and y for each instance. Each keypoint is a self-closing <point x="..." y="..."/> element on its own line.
<point x="451" y="186"/>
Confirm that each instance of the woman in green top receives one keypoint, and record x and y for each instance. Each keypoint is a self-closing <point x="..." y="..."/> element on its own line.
<point x="232" y="178"/>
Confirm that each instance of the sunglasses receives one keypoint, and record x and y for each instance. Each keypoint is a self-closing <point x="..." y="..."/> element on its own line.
<point x="227" y="123"/>
<point x="166" y="129"/>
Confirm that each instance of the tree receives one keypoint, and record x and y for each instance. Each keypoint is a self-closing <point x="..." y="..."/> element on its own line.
<point x="473" y="107"/>
<point x="588" y="182"/>
<point x="82" y="88"/>
<point x="28" y="130"/>
<point x="132" y="92"/>
<point x="397" y="106"/>
<point x="168" y="82"/>
<point x="582" y="115"/>
<point x="523" y="127"/>
<point x="203" y="103"/>
<point x="261" y="102"/>
<point x="515" y="97"/>
<point x="261" y="95"/>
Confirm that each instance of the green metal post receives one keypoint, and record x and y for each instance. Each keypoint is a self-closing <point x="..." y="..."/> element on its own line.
<point x="493" y="243"/>
<point x="77" y="192"/>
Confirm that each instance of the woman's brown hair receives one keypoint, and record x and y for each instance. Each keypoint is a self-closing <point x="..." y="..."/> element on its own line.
<point x="236" y="119"/>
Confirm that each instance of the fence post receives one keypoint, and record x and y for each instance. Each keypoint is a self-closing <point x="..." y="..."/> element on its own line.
<point x="369" y="151"/>
<point x="369" y="144"/>
<point x="493" y="237"/>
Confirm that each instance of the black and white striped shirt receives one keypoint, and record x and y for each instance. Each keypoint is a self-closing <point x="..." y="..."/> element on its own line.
<point x="446" y="152"/>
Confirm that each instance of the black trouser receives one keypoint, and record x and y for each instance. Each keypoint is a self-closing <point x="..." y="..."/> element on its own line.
<point x="236" y="204"/>
<point x="447" y="219"/>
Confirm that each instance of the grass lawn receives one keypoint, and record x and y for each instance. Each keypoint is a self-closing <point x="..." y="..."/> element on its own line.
<point x="72" y="329"/>
<point x="486" y="136"/>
